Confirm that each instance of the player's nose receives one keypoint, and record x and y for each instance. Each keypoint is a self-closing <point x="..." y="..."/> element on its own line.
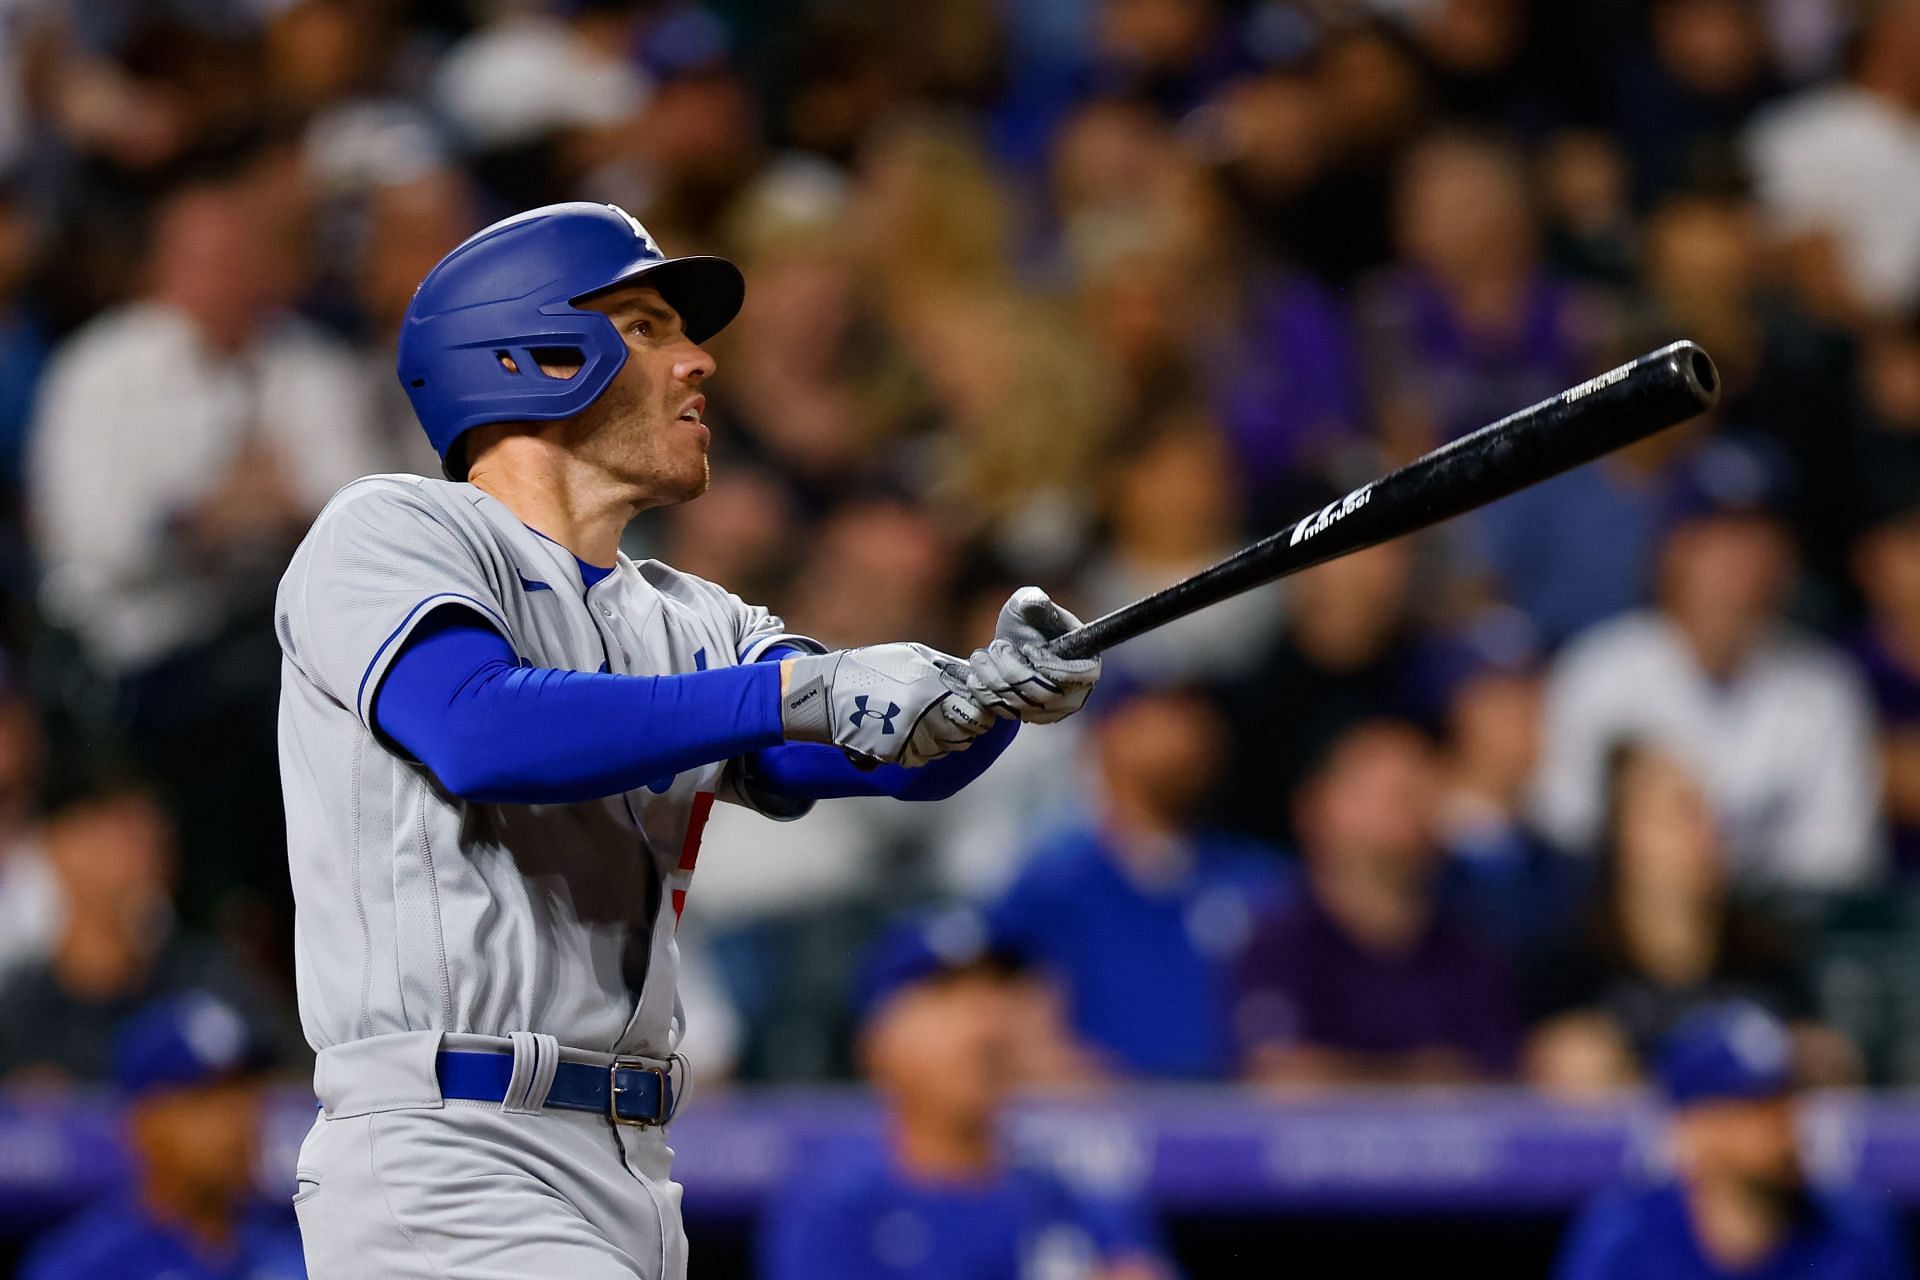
<point x="694" y="365"/>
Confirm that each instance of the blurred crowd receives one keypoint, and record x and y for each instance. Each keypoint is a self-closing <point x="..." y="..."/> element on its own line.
<point x="1084" y="293"/>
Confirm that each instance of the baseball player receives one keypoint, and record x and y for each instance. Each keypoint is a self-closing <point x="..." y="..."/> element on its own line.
<point x="500" y="739"/>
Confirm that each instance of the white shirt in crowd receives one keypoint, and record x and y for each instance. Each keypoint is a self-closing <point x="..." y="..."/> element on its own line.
<point x="137" y="422"/>
<point x="32" y="907"/>
<point x="1785" y="748"/>
<point x="974" y="843"/>
<point x="1845" y="161"/>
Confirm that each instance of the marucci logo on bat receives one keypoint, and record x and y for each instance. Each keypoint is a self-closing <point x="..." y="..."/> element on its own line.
<point x="1329" y="514"/>
<point x="1592" y="385"/>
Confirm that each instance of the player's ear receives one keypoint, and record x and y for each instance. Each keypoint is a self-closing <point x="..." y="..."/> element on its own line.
<point x="559" y="362"/>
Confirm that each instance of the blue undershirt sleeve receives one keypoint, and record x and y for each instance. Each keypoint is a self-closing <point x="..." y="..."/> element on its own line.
<point x="493" y="731"/>
<point x="815" y="771"/>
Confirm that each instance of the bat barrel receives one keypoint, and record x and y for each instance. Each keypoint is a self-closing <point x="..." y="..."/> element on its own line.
<point x="1657" y="391"/>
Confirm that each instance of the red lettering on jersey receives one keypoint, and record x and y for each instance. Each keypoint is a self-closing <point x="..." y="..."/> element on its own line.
<point x="696" y="827"/>
<point x="690" y="847"/>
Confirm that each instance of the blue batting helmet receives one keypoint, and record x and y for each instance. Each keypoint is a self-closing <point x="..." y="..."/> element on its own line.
<point x="511" y="290"/>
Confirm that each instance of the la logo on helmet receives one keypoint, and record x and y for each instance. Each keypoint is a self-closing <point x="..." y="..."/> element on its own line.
<point x="638" y="230"/>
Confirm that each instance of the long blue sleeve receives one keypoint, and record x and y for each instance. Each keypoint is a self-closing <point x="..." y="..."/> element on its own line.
<point x="490" y="730"/>
<point x="813" y="771"/>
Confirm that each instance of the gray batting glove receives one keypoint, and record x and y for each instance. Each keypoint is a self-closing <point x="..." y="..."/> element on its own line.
<point x="892" y="703"/>
<point x="1017" y="678"/>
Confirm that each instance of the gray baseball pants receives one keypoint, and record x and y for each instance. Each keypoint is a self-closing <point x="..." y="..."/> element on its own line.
<point x="395" y="1181"/>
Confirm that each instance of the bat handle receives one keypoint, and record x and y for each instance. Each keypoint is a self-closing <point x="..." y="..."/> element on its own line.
<point x="1084" y="641"/>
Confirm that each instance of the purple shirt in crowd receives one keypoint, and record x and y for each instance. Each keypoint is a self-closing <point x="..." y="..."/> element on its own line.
<point x="1288" y="389"/>
<point x="1420" y="348"/>
<point x="1304" y="981"/>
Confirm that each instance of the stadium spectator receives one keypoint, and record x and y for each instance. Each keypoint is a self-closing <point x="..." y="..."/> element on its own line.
<point x="1882" y="464"/>
<point x="1664" y="933"/>
<point x="181" y="445"/>
<point x="1499" y="864"/>
<point x="23" y="332"/>
<point x="935" y="1198"/>
<point x="1774" y="721"/>
<point x="1350" y="650"/>
<point x="1142" y="908"/>
<point x="1681" y="106"/>
<point x="1707" y="272"/>
<point x="118" y="949"/>
<point x="1366" y="974"/>
<point x="191" y="1071"/>
<point x="1586" y="204"/>
<point x="183" y="440"/>
<point x="1738" y="1204"/>
<point x="1887" y="566"/>
<point x="1173" y="507"/>
<point x="1577" y="550"/>
<point x="536" y="96"/>
<point x="1582" y="547"/>
<point x="1468" y="326"/>
<point x="31" y="909"/>
<point x="1837" y="168"/>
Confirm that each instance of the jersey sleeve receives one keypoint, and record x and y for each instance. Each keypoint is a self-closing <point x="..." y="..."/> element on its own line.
<point x="377" y="562"/>
<point x="757" y="629"/>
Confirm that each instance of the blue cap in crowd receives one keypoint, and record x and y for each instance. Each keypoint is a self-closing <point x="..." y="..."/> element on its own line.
<point x="1497" y="640"/>
<point x="1729" y="476"/>
<point x="924" y="947"/>
<point x="1724" y="1052"/>
<point x="185" y="1040"/>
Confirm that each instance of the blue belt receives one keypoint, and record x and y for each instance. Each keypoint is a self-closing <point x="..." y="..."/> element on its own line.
<point x="623" y="1091"/>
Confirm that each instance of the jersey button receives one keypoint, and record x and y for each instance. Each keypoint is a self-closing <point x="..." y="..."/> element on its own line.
<point x="606" y="611"/>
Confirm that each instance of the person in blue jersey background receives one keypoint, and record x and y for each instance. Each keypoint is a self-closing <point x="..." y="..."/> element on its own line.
<point x="933" y="1198"/>
<point x="1739" y="1206"/>
<point x="191" y="1069"/>
<point x="1141" y="914"/>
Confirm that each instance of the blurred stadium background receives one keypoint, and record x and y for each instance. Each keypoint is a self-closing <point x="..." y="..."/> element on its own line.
<point x="1392" y="876"/>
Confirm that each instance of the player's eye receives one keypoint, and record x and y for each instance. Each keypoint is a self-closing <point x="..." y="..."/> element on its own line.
<point x="641" y="328"/>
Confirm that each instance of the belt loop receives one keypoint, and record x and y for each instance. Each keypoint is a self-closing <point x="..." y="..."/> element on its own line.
<point x="536" y="1057"/>
<point x="675" y="1085"/>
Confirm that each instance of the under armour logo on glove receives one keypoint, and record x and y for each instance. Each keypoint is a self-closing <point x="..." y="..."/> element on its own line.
<point x="862" y="711"/>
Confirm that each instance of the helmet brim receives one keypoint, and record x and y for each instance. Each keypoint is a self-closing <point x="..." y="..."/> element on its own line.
<point x="706" y="290"/>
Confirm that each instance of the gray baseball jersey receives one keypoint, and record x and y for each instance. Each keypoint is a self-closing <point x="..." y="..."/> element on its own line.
<point x="420" y="912"/>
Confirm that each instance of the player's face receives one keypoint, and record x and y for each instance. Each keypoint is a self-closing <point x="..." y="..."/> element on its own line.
<point x="647" y="430"/>
<point x="200" y="1142"/>
<point x="939" y="1049"/>
<point x="1373" y="805"/>
<point x="1755" y="1144"/>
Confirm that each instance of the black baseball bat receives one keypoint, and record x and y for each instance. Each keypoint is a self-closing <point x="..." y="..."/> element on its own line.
<point x="1661" y="389"/>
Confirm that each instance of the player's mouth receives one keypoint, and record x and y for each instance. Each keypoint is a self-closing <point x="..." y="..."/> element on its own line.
<point x="694" y="408"/>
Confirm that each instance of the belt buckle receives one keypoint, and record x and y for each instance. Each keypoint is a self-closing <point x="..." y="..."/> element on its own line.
<point x="665" y="1094"/>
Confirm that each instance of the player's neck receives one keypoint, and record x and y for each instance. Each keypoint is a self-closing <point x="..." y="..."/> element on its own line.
<point x="1383" y="913"/>
<point x="1736" y="1227"/>
<point x="932" y="1151"/>
<point x="207" y="1221"/>
<point x="551" y="493"/>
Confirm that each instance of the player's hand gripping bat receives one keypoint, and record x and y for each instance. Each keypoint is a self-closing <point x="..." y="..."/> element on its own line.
<point x="1657" y="391"/>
